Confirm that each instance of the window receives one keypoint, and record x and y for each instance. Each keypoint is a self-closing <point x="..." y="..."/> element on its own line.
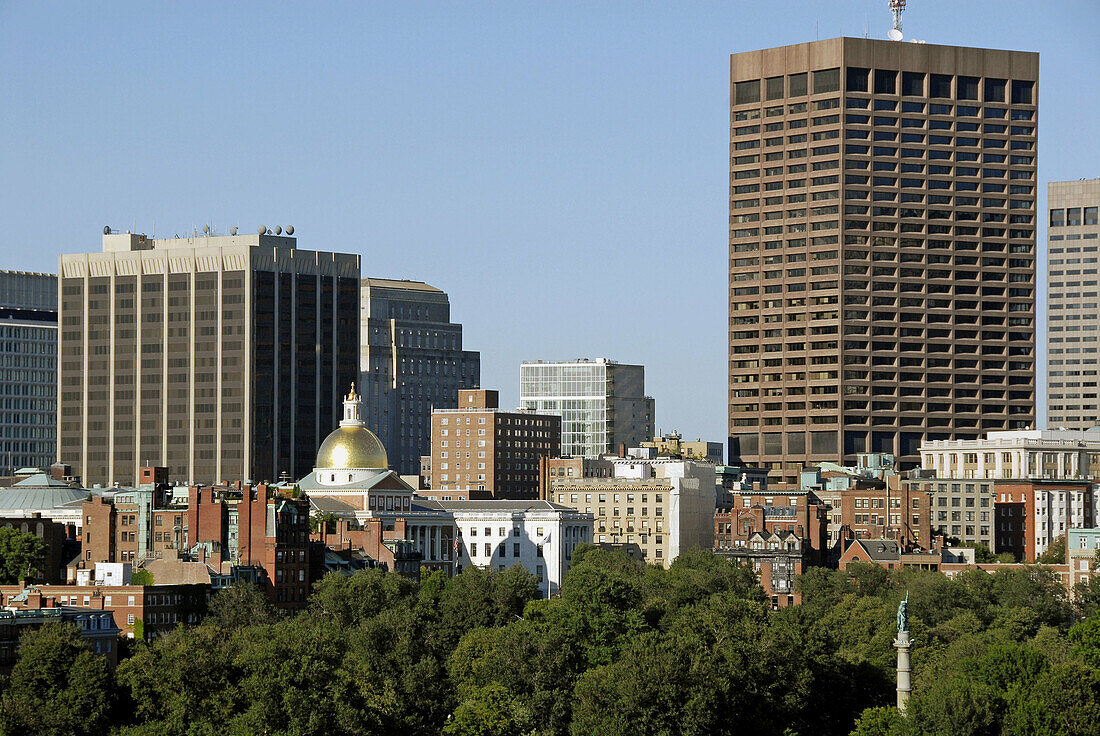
<point x="857" y="79"/>
<point x="939" y="85"/>
<point x="746" y="92"/>
<point x="886" y="82"/>
<point x="995" y="90"/>
<point x="966" y="88"/>
<point x="773" y="88"/>
<point x="796" y="85"/>
<point x="1057" y="217"/>
<point x="827" y="80"/>
<point x="912" y="83"/>
<point x="1021" y="92"/>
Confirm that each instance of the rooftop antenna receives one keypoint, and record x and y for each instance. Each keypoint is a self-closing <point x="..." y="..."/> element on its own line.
<point x="896" y="8"/>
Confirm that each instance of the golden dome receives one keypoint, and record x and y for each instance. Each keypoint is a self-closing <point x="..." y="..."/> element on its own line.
<point x="352" y="447"/>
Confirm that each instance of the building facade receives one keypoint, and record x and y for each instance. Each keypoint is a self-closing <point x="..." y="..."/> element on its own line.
<point x="28" y="370"/>
<point x="1050" y="454"/>
<point x="221" y="358"/>
<point x="1072" y="306"/>
<point x="663" y="506"/>
<point x="882" y="249"/>
<point x="478" y="446"/>
<point x="602" y="404"/>
<point x="1081" y="555"/>
<point x="538" y="535"/>
<point x="411" y="361"/>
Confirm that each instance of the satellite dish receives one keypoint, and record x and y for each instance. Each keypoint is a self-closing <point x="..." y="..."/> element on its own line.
<point x="289" y="229"/>
<point x="106" y="229"/>
<point x="206" y="229"/>
<point x="278" y="229"/>
<point x="894" y="34"/>
<point x="233" y="230"/>
<point x="261" y="229"/>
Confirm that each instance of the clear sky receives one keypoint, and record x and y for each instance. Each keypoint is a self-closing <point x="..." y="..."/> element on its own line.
<point x="559" y="168"/>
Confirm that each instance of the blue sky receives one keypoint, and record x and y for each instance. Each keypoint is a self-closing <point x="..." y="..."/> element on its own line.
<point x="559" y="168"/>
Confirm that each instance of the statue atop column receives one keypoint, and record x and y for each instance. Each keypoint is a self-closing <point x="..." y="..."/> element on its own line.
<point x="903" y="614"/>
<point x="903" y="643"/>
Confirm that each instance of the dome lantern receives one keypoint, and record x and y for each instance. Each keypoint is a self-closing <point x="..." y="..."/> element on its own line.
<point x="351" y="446"/>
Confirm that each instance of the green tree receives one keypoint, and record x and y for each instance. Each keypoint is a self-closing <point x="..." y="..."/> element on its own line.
<point x="241" y="604"/>
<point x="1064" y="700"/>
<point x="1056" y="552"/>
<point x="21" y="555"/>
<point x="488" y="711"/>
<point x="1085" y="636"/>
<point x="880" y="721"/>
<point x="982" y="554"/>
<point x="57" y="686"/>
<point x="142" y="577"/>
<point x="352" y="599"/>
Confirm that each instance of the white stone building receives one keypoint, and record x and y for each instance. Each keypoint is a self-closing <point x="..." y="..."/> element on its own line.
<point x="538" y="535"/>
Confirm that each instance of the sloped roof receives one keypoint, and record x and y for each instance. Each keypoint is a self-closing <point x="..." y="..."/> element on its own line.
<point x="41" y="480"/>
<point x="880" y="549"/>
<point x="18" y="498"/>
<point x="329" y="505"/>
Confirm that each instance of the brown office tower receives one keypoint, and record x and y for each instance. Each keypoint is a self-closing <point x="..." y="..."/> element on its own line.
<point x="479" y="447"/>
<point x="1072" y="234"/>
<point x="223" y="358"/>
<point x="882" y="249"/>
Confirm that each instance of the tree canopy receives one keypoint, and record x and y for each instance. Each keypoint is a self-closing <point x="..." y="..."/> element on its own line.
<point x="626" y="649"/>
<point x="21" y="555"/>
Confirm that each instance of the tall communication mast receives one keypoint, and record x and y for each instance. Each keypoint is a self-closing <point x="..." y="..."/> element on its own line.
<point x="896" y="7"/>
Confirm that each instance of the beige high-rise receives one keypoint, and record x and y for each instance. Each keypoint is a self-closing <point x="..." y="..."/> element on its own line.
<point x="1073" y="315"/>
<point x="222" y="358"/>
<point x="882" y="248"/>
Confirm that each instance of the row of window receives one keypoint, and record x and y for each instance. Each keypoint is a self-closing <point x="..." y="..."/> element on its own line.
<point x="1073" y="216"/>
<point x="885" y="82"/>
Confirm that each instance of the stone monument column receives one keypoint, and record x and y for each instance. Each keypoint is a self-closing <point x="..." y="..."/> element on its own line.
<point x="903" y="642"/>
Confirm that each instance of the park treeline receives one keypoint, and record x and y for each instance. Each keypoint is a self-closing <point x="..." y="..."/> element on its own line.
<point x="626" y="649"/>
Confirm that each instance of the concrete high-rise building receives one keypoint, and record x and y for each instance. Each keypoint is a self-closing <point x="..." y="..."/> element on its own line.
<point x="478" y="446"/>
<point x="882" y="249"/>
<point x="28" y="370"/>
<point x="411" y="361"/>
<point x="1073" y="314"/>
<point x="222" y="358"/>
<point x="602" y="404"/>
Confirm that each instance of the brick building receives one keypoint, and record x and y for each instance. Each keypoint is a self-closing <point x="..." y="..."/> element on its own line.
<point x="777" y="558"/>
<point x="262" y="525"/>
<point x="478" y="446"/>
<point x="97" y="627"/>
<point x="139" y="610"/>
<point x="745" y="512"/>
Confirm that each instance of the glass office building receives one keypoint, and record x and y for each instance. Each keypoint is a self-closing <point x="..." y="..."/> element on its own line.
<point x="28" y="370"/>
<point x="602" y="404"/>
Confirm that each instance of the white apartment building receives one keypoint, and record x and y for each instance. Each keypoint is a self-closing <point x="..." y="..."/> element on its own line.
<point x="538" y="535"/>
<point x="1043" y="454"/>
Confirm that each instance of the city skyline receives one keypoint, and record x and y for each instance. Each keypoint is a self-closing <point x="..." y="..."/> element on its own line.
<point x="461" y="137"/>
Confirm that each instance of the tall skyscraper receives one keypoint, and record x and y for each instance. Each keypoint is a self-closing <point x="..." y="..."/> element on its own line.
<point x="602" y="404"/>
<point x="1073" y="314"/>
<point x="411" y="361"/>
<point x="882" y="248"/>
<point x="28" y="370"/>
<point x="219" y="357"/>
